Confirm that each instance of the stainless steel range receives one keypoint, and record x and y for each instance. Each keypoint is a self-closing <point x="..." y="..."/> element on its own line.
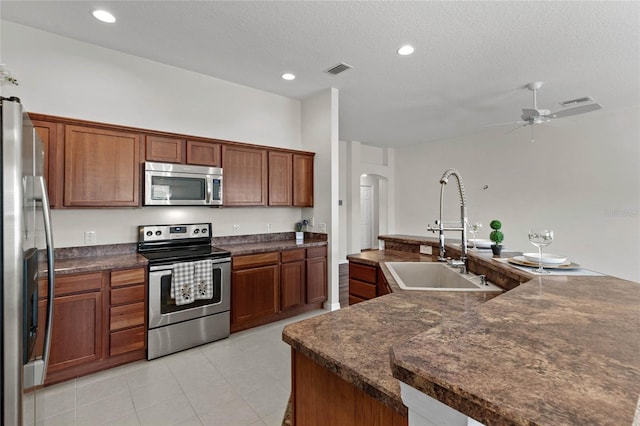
<point x="189" y="287"/>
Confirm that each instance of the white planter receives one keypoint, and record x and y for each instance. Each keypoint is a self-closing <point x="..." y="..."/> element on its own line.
<point x="299" y="237"/>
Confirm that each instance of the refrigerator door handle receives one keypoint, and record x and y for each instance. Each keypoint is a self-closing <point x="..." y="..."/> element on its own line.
<point x="46" y="212"/>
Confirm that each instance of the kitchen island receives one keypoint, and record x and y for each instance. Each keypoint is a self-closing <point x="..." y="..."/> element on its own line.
<point x="554" y="350"/>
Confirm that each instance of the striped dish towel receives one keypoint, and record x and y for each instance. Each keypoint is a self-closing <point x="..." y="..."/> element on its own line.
<point x="182" y="288"/>
<point x="203" y="278"/>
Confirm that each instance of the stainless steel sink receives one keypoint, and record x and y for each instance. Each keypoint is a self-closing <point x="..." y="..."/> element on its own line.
<point x="426" y="276"/>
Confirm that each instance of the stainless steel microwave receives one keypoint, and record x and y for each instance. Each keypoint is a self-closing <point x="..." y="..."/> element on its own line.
<point x="168" y="184"/>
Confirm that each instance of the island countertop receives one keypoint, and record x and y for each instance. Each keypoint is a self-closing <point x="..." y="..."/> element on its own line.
<point x="554" y="350"/>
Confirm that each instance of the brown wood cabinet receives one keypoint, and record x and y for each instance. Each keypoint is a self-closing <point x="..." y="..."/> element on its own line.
<point x="101" y="167"/>
<point x="320" y="397"/>
<point x="95" y="325"/>
<point x="280" y="178"/>
<point x="316" y="274"/>
<point x="164" y="150"/>
<point x="52" y="156"/>
<point x="292" y="278"/>
<point x="245" y="176"/>
<point x="79" y="308"/>
<point x="204" y="153"/>
<point x="270" y="286"/>
<point x="366" y="282"/>
<point x="255" y="282"/>
<point x="303" y="180"/>
<point x="90" y="164"/>
<point x="127" y="319"/>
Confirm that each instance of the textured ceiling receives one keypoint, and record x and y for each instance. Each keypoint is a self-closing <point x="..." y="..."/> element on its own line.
<point x="471" y="62"/>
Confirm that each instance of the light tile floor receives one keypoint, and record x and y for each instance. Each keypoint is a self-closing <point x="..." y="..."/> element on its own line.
<point x="243" y="380"/>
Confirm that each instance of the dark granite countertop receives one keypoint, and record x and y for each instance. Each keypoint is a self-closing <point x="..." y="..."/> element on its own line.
<point x="355" y="342"/>
<point x="265" y="246"/>
<point x="77" y="260"/>
<point x="555" y="350"/>
<point x="98" y="263"/>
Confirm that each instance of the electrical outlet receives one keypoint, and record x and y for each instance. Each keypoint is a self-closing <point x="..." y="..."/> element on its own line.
<point x="90" y="237"/>
<point x="323" y="228"/>
<point x="268" y="227"/>
<point x="236" y="229"/>
<point x="312" y="221"/>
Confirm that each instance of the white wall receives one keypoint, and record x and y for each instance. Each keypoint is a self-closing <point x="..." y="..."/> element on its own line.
<point x="379" y="162"/>
<point x="64" y="77"/>
<point x="320" y="135"/>
<point x="580" y="177"/>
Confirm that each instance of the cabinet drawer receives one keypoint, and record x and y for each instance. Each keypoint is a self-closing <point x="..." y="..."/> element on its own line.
<point x="126" y="316"/>
<point x="127" y="276"/>
<point x="126" y="341"/>
<point x="361" y="289"/>
<point x="292" y="255"/>
<point x="127" y="295"/>
<point x="68" y="284"/>
<point x="254" y="260"/>
<point x="316" y="252"/>
<point x="363" y="273"/>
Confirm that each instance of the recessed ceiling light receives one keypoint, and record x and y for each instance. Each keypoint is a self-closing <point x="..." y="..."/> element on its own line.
<point x="104" y="16"/>
<point x="288" y="76"/>
<point x="406" y="50"/>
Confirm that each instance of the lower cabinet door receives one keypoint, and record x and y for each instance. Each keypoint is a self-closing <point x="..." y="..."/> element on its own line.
<point x="254" y="293"/>
<point x="292" y="284"/>
<point x="77" y="330"/>
<point x="317" y="280"/>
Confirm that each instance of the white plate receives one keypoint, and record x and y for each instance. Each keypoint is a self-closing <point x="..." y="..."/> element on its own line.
<point x="547" y="258"/>
<point x="480" y="243"/>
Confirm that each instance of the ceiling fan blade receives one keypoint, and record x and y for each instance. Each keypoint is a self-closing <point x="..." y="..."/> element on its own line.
<point x="519" y="127"/>
<point x="574" y="111"/>
<point x="504" y="124"/>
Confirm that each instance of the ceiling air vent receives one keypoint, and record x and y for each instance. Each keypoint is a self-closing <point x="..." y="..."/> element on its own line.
<point x="335" y="70"/>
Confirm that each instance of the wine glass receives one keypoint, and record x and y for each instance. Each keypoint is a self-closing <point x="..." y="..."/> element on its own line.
<point x="540" y="238"/>
<point x="474" y="228"/>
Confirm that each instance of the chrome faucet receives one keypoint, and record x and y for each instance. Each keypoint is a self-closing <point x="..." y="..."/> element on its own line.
<point x="462" y="263"/>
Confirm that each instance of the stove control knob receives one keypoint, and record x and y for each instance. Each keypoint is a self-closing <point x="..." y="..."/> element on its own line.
<point x="158" y="233"/>
<point x="204" y="230"/>
<point x="195" y="231"/>
<point x="149" y="233"/>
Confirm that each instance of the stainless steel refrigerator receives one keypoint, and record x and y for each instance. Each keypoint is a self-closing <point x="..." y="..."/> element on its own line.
<point x="27" y="243"/>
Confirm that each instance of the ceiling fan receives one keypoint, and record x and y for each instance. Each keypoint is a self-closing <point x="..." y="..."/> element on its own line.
<point x="535" y="115"/>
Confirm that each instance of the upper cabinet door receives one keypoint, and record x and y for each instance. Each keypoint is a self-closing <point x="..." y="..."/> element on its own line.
<point x="245" y="176"/>
<point x="48" y="133"/>
<point x="280" y="178"/>
<point x="303" y="180"/>
<point x="101" y="167"/>
<point x="164" y="150"/>
<point x="203" y="154"/>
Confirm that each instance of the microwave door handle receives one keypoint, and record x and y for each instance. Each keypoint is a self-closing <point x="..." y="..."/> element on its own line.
<point x="46" y="212"/>
<point x="209" y="191"/>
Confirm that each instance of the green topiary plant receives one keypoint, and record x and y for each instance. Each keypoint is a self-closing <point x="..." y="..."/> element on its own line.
<point x="496" y="236"/>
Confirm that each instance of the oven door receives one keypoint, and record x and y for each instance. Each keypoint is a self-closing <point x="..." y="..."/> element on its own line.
<point x="163" y="309"/>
